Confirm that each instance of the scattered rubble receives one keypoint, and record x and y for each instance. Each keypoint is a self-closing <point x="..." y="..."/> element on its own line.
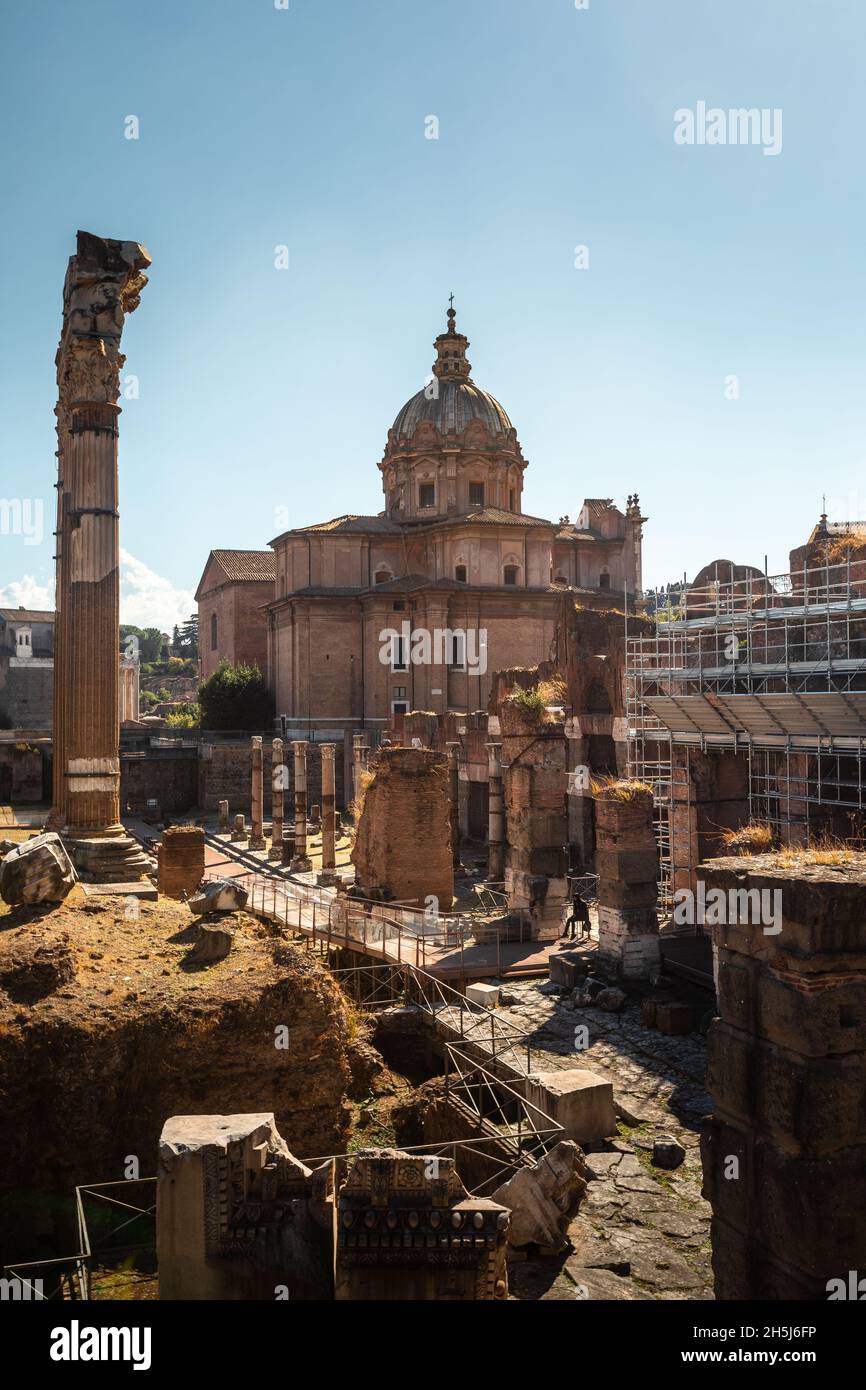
<point x="37" y="871"/>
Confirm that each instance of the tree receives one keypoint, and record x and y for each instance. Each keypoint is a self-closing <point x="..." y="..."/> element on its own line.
<point x="188" y="638"/>
<point x="235" y="697"/>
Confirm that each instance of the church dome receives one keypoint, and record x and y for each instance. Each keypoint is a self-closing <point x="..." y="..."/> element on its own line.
<point x="451" y="400"/>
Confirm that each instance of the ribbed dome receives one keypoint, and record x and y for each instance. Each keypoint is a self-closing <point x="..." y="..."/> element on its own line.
<point x="458" y="402"/>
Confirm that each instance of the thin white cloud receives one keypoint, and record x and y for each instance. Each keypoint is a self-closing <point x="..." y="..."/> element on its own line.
<point x="149" y="600"/>
<point x="26" y="593"/>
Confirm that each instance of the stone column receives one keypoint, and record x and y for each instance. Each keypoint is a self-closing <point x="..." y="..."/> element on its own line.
<point x="329" y="853"/>
<point x="495" y="816"/>
<point x="454" y="798"/>
<point x="300" y="862"/>
<point x="257" y="839"/>
<point x="278" y="787"/>
<point x="784" y="1154"/>
<point x="626" y="860"/>
<point x="360" y="753"/>
<point x="103" y="284"/>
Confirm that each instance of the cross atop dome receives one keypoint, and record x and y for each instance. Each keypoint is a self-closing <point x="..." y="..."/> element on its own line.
<point x="451" y="363"/>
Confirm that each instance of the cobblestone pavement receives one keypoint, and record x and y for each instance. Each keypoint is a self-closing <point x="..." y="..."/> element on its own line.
<point x="641" y="1232"/>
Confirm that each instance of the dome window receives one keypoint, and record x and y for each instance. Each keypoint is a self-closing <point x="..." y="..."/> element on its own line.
<point x="509" y="575"/>
<point x="476" y="494"/>
<point x="427" y="495"/>
<point x="604" y="580"/>
<point x="460" y="573"/>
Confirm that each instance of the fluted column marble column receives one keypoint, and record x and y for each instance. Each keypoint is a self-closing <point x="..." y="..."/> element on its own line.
<point x="278" y="787"/>
<point x="257" y="839"/>
<point x="103" y="284"/>
<point x="300" y="861"/>
<point x="329" y="840"/>
<point x="496" y="823"/>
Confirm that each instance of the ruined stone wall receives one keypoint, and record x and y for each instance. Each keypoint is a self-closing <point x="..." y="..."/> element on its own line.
<point x="21" y="779"/>
<point x="784" y="1156"/>
<point x="225" y="775"/>
<point x="170" y="778"/>
<point x="626" y="861"/>
<point x="535" y="784"/>
<point x="27" y="693"/>
<point x="403" y="841"/>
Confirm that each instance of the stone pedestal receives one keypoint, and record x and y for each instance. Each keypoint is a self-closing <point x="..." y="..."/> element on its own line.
<point x="784" y="1154"/>
<point x="239" y="833"/>
<point x="181" y="861"/>
<point x="627" y="867"/>
<point x="223" y="810"/>
<point x="579" y="1100"/>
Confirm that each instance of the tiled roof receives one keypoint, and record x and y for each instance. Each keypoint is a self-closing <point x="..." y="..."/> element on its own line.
<point x="245" y="565"/>
<point x="358" y="524"/>
<point x="495" y="516"/>
<point x="26" y="615"/>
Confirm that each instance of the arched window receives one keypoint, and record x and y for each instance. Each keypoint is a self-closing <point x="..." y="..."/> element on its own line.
<point x="214" y="634"/>
<point x="604" y="580"/>
<point x="509" y="575"/>
<point x="460" y="573"/>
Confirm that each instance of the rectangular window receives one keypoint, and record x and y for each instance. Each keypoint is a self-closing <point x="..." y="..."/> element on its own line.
<point x="399" y="654"/>
<point x="399" y="692"/>
<point x="427" y="495"/>
<point x="457" y="654"/>
<point x="399" y="707"/>
<point x="476" y="494"/>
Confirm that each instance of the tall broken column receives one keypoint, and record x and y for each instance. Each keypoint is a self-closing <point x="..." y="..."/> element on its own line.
<point x="360" y="755"/>
<point x="257" y="839"/>
<point x="329" y="815"/>
<point x="300" y="862"/>
<point x="278" y="789"/>
<point x="453" y="750"/>
<point x="784" y="1154"/>
<point x="626" y="861"/>
<point x="103" y="284"/>
<point x="403" y="842"/>
<point x="496" y="817"/>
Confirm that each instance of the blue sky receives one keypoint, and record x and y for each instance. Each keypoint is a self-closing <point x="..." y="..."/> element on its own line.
<point x="265" y="395"/>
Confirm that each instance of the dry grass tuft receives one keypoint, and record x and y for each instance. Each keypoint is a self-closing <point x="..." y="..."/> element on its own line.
<point x="619" y="789"/>
<point x="748" y="839"/>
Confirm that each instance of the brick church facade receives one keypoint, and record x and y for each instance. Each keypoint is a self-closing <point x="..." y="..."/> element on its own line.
<point x="417" y="607"/>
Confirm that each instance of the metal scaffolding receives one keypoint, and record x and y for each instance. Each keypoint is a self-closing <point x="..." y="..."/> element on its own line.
<point x="773" y="669"/>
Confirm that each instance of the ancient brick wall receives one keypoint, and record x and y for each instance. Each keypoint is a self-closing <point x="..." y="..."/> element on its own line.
<point x="784" y="1156"/>
<point x="170" y="778"/>
<point x="181" y="861"/>
<point x="403" y="842"/>
<point x="225" y="773"/>
<point x="626" y="860"/>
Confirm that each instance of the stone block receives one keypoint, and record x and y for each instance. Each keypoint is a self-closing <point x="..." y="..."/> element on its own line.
<point x="567" y="968"/>
<point x="486" y="995"/>
<point x="579" y="1100"/>
<point x="613" y="893"/>
<point x="37" y="871"/>
<point x="219" y="895"/>
<point x="214" y="944"/>
<point x="674" y="1019"/>
<point x="627" y="865"/>
<point x="541" y="1198"/>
